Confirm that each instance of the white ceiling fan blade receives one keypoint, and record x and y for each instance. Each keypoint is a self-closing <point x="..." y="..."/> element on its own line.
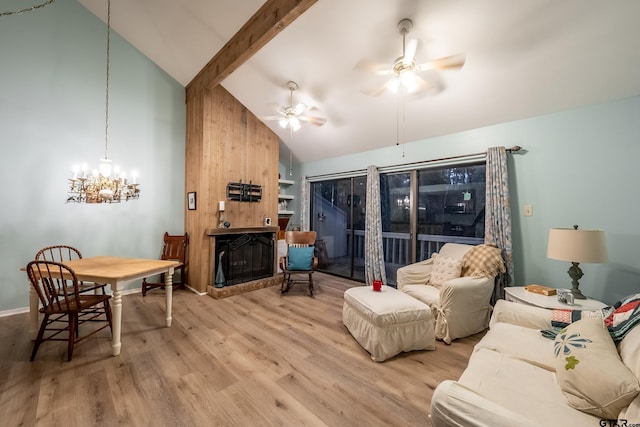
<point x="272" y="117"/>
<point x="274" y="107"/>
<point x="313" y="109"/>
<point x="318" y="121"/>
<point x="373" y="67"/>
<point x="410" y="52"/>
<point x="299" y="109"/>
<point x="376" y="91"/>
<point x="444" y="63"/>
<point x="421" y="86"/>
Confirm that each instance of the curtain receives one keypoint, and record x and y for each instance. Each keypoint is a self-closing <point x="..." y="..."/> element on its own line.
<point x="374" y="255"/>
<point x="304" y="204"/>
<point x="497" y="229"/>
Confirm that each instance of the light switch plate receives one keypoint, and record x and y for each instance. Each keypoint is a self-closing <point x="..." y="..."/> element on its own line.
<point x="528" y="210"/>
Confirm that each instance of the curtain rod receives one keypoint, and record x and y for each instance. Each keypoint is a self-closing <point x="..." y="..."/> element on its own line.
<point x="358" y="172"/>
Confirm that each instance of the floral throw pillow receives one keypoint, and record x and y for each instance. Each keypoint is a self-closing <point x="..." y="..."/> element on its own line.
<point x="444" y="269"/>
<point x="589" y="370"/>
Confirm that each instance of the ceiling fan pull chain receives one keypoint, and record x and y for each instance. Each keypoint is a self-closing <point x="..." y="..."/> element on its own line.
<point x="398" y="120"/>
<point x="404" y="114"/>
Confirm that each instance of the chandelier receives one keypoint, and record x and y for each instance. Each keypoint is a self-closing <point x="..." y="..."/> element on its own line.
<point x="404" y="203"/>
<point x="106" y="184"/>
<point x="27" y="9"/>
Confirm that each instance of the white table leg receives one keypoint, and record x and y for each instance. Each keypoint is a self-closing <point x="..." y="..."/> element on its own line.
<point x="33" y="312"/>
<point x="116" y="319"/>
<point x="168" y="287"/>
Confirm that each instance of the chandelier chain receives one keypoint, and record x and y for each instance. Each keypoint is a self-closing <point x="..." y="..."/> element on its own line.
<point x="27" y="9"/>
<point x="106" y="114"/>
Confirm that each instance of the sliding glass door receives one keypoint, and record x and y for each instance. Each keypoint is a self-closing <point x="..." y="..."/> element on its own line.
<point x="422" y="209"/>
<point x="337" y="215"/>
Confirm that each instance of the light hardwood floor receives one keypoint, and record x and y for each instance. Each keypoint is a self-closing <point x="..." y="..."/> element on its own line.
<point x="256" y="359"/>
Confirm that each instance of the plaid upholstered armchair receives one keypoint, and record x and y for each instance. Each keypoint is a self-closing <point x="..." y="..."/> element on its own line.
<point x="457" y="283"/>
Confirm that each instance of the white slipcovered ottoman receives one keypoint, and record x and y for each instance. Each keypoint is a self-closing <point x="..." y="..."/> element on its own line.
<point x="387" y="323"/>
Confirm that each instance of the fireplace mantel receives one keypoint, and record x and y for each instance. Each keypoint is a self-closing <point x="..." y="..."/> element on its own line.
<point x="240" y="230"/>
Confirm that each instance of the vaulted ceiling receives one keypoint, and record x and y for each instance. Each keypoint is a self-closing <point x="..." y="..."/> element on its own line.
<point x="523" y="58"/>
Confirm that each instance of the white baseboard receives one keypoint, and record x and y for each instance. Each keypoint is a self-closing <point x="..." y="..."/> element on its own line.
<point x="14" y="311"/>
<point x="194" y="291"/>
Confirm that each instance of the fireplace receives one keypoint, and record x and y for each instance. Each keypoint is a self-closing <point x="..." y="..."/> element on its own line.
<point x="241" y="256"/>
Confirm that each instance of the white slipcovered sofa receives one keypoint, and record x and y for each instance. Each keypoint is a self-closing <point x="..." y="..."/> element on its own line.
<point x="457" y="283"/>
<point x="516" y="377"/>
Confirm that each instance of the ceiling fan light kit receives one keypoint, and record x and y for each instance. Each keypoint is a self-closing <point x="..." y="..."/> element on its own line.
<point x="290" y="122"/>
<point x="406" y="78"/>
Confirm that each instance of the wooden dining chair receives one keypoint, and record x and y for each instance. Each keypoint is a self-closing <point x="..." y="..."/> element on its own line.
<point x="300" y="259"/>
<point x="62" y="253"/>
<point x="174" y="248"/>
<point x="64" y="310"/>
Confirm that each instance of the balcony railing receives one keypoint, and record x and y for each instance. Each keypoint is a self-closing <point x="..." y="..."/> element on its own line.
<point x="396" y="245"/>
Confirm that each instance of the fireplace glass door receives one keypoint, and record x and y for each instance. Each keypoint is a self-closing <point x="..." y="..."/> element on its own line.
<point x="241" y="258"/>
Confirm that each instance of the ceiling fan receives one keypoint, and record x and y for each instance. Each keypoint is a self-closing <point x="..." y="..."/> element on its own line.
<point x="292" y="115"/>
<point x="404" y="70"/>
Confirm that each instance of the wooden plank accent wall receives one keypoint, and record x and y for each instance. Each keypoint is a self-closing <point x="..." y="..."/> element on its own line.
<point x="225" y="143"/>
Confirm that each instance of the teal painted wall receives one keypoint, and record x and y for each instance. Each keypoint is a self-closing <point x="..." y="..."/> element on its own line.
<point x="580" y="167"/>
<point x="52" y="112"/>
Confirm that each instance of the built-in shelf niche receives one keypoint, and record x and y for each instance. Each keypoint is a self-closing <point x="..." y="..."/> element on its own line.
<point x="284" y="198"/>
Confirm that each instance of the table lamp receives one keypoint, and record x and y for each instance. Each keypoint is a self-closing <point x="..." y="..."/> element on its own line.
<point x="576" y="246"/>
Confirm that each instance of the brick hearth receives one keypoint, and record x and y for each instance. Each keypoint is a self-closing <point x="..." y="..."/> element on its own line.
<point x="241" y="288"/>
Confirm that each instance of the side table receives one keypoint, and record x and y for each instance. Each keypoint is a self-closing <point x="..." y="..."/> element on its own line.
<point x="519" y="295"/>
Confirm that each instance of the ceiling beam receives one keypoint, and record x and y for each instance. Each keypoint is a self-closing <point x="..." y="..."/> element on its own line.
<point x="273" y="17"/>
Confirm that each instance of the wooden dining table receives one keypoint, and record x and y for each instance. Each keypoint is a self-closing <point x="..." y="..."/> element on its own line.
<point x="116" y="272"/>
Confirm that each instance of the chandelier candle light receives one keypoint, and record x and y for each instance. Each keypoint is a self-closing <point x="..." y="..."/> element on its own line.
<point x="99" y="186"/>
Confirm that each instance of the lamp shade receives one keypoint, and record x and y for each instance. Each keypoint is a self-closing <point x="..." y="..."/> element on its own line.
<point x="575" y="245"/>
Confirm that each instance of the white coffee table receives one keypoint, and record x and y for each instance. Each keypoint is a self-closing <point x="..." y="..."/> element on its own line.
<point x="521" y="296"/>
